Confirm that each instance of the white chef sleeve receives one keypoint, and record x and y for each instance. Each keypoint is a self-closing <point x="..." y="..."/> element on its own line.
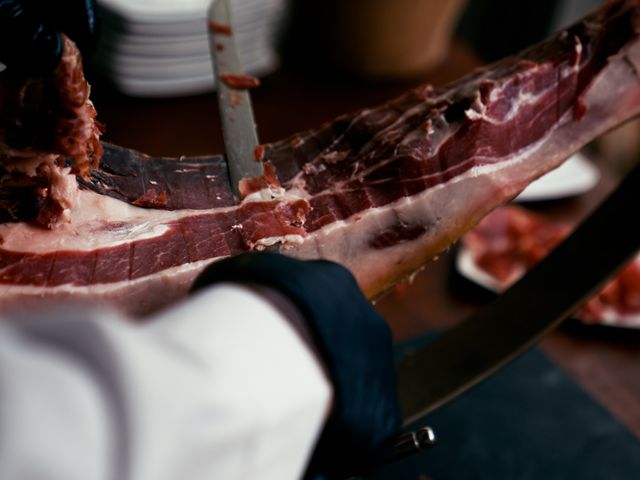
<point x="218" y="387"/>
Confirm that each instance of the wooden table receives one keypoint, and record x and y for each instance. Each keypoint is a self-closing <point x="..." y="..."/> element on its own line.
<point x="605" y="361"/>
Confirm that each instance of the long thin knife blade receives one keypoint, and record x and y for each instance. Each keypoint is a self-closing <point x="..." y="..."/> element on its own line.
<point x="238" y="124"/>
<point x="468" y="353"/>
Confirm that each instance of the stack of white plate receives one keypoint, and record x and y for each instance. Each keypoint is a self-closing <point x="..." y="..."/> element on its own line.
<point x="154" y="48"/>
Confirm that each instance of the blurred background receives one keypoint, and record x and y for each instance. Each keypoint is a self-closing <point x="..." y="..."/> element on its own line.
<point x="160" y="48"/>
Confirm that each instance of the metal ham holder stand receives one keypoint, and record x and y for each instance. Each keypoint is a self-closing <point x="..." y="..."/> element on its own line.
<point x="464" y="355"/>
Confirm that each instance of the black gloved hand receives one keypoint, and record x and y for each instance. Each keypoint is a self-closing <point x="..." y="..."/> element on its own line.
<point x="30" y="31"/>
<point x="354" y="342"/>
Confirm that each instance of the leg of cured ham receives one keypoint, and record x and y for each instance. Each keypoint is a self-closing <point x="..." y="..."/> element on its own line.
<point x="381" y="191"/>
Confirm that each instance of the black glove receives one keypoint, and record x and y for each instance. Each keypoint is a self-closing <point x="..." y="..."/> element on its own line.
<point x="30" y="31"/>
<point x="354" y="342"/>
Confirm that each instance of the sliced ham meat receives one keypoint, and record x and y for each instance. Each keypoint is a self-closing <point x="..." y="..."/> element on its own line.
<point x="511" y="240"/>
<point x="381" y="191"/>
<point x="48" y="135"/>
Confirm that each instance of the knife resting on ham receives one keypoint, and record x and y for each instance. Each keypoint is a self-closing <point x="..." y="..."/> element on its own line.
<point x="381" y="191"/>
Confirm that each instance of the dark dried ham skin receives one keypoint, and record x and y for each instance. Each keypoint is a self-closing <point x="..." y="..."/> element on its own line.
<point x="151" y="198"/>
<point x="194" y="183"/>
<point x="381" y="191"/>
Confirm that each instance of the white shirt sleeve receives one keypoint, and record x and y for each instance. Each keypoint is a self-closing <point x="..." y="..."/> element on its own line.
<point x="219" y="387"/>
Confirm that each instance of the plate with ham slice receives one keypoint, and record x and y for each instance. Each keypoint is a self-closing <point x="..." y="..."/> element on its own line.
<point x="511" y="240"/>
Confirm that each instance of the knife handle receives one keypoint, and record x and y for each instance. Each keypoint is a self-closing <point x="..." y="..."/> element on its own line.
<point x="407" y="444"/>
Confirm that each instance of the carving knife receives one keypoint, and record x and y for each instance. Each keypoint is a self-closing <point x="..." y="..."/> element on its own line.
<point x="238" y="124"/>
<point x="471" y="351"/>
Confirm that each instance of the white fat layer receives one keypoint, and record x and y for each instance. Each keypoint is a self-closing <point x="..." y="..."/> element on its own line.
<point x="136" y="297"/>
<point x="100" y="221"/>
<point x="89" y="226"/>
<point x="285" y="240"/>
<point x="275" y="193"/>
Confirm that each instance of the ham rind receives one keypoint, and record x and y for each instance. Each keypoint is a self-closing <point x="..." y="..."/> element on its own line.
<point x="381" y="191"/>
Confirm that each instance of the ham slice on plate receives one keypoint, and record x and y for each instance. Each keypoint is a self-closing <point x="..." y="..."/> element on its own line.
<point x="511" y="240"/>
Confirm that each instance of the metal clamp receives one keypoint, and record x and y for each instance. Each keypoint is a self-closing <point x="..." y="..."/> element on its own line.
<point x="411" y="442"/>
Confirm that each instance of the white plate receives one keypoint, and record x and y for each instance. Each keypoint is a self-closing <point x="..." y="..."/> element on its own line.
<point x="159" y="17"/>
<point x="181" y="66"/>
<point x="118" y="46"/>
<point x="181" y="85"/>
<point x="184" y="28"/>
<point x="575" y="176"/>
<point x="161" y="47"/>
<point x="466" y="266"/>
